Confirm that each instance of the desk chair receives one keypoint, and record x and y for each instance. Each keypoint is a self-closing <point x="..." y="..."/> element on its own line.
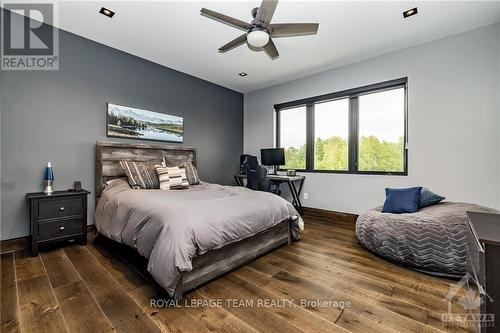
<point x="257" y="180"/>
<point x="250" y="160"/>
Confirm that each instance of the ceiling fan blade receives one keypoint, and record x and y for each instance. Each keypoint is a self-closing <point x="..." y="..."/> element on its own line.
<point x="265" y="12"/>
<point x="292" y="29"/>
<point x="234" y="43"/>
<point x="271" y="50"/>
<point x="235" y="23"/>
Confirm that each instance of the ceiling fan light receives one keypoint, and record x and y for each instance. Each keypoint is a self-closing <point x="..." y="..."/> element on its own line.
<point x="258" y="38"/>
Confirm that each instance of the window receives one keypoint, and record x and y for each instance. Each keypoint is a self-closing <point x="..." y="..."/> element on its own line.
<point x="382" y="131"/>
<point x="331" y="130"/>
<point x="292" y="136"/>
<point x="360" y="130"/>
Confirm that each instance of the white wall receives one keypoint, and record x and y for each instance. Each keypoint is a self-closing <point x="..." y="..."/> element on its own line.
<point x="453" y="116"/>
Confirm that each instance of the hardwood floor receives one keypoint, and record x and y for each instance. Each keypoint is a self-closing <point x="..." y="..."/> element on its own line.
<point x="99" y="288"/>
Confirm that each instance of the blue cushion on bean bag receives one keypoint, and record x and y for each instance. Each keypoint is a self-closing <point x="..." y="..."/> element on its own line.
<point x="402" y="200"/>
<point x="427" y="198"/>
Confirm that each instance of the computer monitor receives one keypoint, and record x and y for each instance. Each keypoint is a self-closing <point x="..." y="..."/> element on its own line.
<point x="273" y="157"/>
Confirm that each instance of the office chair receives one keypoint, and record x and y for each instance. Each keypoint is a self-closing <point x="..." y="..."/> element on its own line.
<point x="251" y="160"/>
<point x="257" y="179"/>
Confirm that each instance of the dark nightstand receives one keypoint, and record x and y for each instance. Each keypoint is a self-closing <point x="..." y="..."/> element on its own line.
<point x="484" y="251"/>
<point x="57" y="217"/>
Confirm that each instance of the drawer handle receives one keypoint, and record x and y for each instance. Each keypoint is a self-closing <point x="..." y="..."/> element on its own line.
<point x="61" y="228"/>
<point x="61" y="209"/>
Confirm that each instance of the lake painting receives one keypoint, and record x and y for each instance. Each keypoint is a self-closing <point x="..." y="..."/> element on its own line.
<point x="127" y="122"/>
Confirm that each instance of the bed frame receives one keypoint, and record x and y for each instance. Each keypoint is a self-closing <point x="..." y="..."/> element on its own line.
<point x="212" y="264"/>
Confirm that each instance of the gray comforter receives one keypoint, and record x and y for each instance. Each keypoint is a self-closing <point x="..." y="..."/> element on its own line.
<point x="171" y="227"/>
<point x="433" y="240"/>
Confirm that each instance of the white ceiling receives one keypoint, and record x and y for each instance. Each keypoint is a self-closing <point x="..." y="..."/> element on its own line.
<point x="174" y="34"/>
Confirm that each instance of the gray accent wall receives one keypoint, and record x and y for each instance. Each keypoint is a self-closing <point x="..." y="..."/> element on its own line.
<point x="57" y="116"/>
<point x="453" y="120"/>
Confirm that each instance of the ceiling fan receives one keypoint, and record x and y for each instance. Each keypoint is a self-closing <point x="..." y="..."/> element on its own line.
<point x="259" y="33"/>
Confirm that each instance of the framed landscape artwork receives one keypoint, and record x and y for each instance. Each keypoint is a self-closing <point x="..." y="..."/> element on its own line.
<point x="126" y="122"/>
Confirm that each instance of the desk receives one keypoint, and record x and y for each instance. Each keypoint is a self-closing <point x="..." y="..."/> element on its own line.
<point x="484" y="251"/>
<point x="278" y="179"/>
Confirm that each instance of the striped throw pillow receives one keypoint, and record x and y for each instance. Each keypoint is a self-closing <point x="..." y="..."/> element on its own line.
<point x="141" y="175"/>
<point x="171" y="177"/>
<point x="191" y="172"/>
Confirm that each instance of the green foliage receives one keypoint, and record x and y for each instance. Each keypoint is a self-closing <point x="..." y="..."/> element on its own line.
<point x="332" y="154"/>
<point x="376" y="155"/>
<point x="295" y="158"/>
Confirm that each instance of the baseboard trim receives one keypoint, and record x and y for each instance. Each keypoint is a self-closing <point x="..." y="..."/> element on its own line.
<point x="330" y="214"/>
<point x="15" y="244"/>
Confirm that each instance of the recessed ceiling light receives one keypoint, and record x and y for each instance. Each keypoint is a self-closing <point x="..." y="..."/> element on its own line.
<point x="242" y="74"/>
<point x="107" y="12"/>
<point x="410" y="12"/>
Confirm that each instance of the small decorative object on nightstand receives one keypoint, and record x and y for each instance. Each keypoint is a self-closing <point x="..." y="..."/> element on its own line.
<point x="48" y="178"/>
<point x="77" y="186"/>
<point x="59" y="216"/>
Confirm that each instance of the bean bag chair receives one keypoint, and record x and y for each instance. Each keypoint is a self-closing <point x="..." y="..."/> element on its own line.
<point x="432" y="240"/>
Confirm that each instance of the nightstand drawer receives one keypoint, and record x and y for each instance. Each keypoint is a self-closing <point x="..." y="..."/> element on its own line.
<point x="57" y="229"/>
<point x="61" y="207"/>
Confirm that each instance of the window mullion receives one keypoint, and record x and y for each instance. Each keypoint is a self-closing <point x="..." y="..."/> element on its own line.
<point x="353" y="134"/>
<point x="310" y="137"/>
<point x="277" y="138"/>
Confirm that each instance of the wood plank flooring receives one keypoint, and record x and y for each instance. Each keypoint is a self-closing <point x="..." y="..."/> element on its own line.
<point x="296" y="288"/>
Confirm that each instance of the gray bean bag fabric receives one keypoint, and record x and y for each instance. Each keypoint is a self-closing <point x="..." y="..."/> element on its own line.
<point x="433" y="240"/>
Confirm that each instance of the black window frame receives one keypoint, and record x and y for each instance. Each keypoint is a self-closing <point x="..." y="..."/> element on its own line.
<point x="353" y="135"/>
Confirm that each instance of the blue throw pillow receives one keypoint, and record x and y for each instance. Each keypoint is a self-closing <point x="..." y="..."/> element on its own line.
<point x="427" y="198"/>
<point x="402" y="200"/>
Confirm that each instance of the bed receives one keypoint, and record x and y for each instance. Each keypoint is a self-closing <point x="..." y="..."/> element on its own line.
<point x="433" y="240"/>
<point x="191" y="236"/>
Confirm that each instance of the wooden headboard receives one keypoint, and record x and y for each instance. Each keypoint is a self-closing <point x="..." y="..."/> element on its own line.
<point x="109" y="155"/>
